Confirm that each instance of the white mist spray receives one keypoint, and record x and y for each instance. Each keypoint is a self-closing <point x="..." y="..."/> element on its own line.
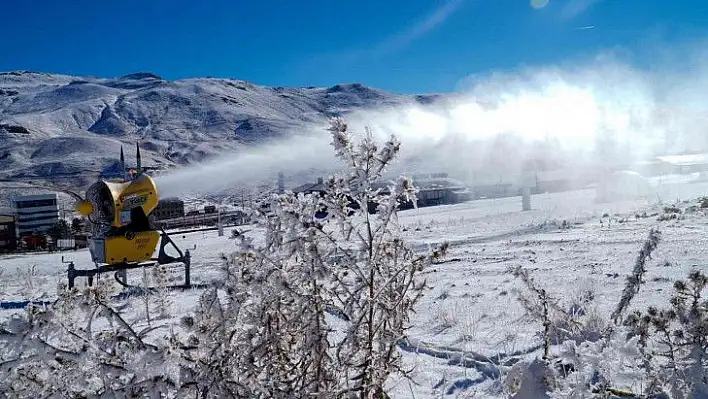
<point x="250" y="167"/>
<point x="598" y="114"/>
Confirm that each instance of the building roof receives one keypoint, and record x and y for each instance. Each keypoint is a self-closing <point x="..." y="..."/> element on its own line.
<point x="172" y="200"/>
<point x="320" y="187"/>
<point x="35" y="197"/>
<point x="422" y="185"/>
<point x="438" y="183"/>
<point x="309" y="187"/>
<point x="685" y="160"/>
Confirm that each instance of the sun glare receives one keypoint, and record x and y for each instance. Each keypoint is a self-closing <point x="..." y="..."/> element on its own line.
<point x="538" y="4"/>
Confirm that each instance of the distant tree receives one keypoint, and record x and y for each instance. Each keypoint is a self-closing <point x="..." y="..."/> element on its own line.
<point x="60" y="230"/>
<point x="78" y="225"/>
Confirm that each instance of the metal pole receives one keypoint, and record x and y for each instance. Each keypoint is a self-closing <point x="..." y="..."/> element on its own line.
<point x="526" y="199"/>
<point x="281" y="183"/>
<point x="528" y="180"/>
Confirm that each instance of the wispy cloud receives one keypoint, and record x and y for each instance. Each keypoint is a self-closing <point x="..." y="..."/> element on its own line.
<point x="576" y="7"/>
<point x="351" y="59"/>
<point x="431" y="21"/>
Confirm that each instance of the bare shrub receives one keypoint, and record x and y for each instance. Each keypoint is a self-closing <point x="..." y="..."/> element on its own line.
<point x="561" y="321"/>
<point x="652" y="353"/>
<point x="635" y="280"/>
<point x="678" y="359"/>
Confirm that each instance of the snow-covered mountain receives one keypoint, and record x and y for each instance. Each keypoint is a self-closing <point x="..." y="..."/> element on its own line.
<point x="54" y="127"/>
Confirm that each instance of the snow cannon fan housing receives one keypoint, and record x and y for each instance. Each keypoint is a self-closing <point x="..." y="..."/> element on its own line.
<point x="118" y="214"/>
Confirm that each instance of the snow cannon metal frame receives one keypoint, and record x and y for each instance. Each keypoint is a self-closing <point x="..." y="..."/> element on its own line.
<point x="121" y="236"/>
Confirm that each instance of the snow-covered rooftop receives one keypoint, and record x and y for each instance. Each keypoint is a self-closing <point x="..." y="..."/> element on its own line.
<point x="685" y="160"/>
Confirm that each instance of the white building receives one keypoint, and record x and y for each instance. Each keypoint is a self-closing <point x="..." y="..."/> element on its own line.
<point x="36" y="213"/>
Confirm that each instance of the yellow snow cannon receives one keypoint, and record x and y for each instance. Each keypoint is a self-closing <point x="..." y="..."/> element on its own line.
<point x="120" y="230"/>
<point x="121" y="235"/>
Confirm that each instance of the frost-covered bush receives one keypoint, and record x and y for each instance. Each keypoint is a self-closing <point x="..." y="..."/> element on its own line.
<point x="675" y="340"/>
<point x="703" y="201"/>
<point x="321" y="306"/>
<point x="81" y="346"/>
<point x="575" y="320"/>
<point x="653" y="353"/>
<point x="317" y="310"/>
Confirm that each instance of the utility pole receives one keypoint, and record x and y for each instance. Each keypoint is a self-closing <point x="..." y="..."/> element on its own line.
<point x="281" y="183"/>
<point x="526" y="199"/>
<point x="528" y="180"/>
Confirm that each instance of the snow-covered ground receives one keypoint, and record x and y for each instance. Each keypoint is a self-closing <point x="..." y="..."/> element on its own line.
<point x="571" y="244"/>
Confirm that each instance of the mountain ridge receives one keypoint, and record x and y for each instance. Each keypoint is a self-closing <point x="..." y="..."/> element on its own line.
<point x="64" y="127"/>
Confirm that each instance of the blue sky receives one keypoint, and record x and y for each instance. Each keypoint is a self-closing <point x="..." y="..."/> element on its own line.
<point x="399" y="45"/>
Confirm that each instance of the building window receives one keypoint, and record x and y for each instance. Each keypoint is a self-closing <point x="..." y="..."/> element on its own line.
<point x="35" y="203"/>
<point x="4" y="227"/>
<point x="52" y="216"/>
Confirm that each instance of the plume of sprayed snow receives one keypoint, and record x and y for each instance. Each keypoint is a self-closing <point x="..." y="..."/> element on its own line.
<point x="250" y="167"/>
<point x="600" y="113"/>
<point x="584" y="117"/>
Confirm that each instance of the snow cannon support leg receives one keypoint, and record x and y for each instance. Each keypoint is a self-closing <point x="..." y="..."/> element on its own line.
<point x="71" y="273"/>
<point x="122" y="275"/>
<point x="184" y="257"/>
<point x="187" y="259"/>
